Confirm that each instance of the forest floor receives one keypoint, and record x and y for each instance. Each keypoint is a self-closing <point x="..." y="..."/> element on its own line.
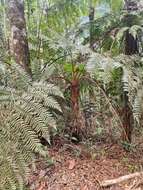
<point x="75" y="167"/>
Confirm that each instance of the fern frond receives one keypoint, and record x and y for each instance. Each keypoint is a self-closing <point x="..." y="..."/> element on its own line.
<point x="25" y="115"/>
<point x="50" y="89"/>
<point x="131" y="78"/>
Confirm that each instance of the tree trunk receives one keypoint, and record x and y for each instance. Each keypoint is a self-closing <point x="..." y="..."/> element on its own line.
<point x="127" y="119"/>
<point x="78" y="124"/>
<point x="131" y="44"/>
<point x="91" y="19"/>
<point x="18" y="43"/>
<point x="131" y="47"/>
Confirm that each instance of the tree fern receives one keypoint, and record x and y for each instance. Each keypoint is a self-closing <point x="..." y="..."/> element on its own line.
<point x="131" y="80"/>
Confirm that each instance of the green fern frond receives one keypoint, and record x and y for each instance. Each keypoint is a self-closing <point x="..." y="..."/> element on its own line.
<point x="25" y="115"/>
<point x="131" y="77"/>
<point x="50" y="89"/>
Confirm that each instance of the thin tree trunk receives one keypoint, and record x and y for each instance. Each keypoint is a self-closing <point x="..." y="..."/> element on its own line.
<point x="91" y="19"/>
<point x="18" y="43"/>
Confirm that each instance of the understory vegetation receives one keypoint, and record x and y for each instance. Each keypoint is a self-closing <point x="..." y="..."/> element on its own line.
<point x="72" y="69"/>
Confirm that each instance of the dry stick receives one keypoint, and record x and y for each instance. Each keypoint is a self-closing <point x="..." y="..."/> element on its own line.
<point x="120" y="179"/>
<point x="135" y="185"/>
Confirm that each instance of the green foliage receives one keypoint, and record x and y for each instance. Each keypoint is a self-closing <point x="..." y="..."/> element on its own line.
<point x="122" y="70"/>
<point x="109" y="31"/>
<point x="58" y="35"/>
<point x="26" y="115"/>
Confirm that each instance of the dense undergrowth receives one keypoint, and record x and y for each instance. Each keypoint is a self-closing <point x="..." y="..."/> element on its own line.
<point x="72" y="70"/>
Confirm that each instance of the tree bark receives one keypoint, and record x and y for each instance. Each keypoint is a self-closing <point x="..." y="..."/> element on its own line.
<point x="127" y="119"/>
<point x="78" y="123"/>
<point x="91" y="19"/>
<point x="131" y="5"/>
<point x="131" y="44"/>
<point x="131" y="47"/>
<point x="18" y="42"/>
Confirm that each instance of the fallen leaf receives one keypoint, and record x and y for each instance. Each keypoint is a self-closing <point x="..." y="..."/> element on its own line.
<point x="72" y="164"/>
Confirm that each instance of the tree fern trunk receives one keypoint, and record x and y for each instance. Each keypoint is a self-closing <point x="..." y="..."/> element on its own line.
<point x="78" y="119"/>
<point x="131" y="5"/>
<point x="131" y="44"/>
<point x="18" y="43"/>
<point x="127" y="119"/>
<point x="131" y="47"/>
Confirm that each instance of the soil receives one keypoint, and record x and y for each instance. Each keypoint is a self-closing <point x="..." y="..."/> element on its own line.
<point x="77" y="167"/>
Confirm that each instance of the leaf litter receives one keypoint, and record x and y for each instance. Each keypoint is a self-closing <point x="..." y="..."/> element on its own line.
<point x="70" y="171"/>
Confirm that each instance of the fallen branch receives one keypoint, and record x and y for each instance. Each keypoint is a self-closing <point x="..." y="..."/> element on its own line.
<point x="120" y="179"/>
